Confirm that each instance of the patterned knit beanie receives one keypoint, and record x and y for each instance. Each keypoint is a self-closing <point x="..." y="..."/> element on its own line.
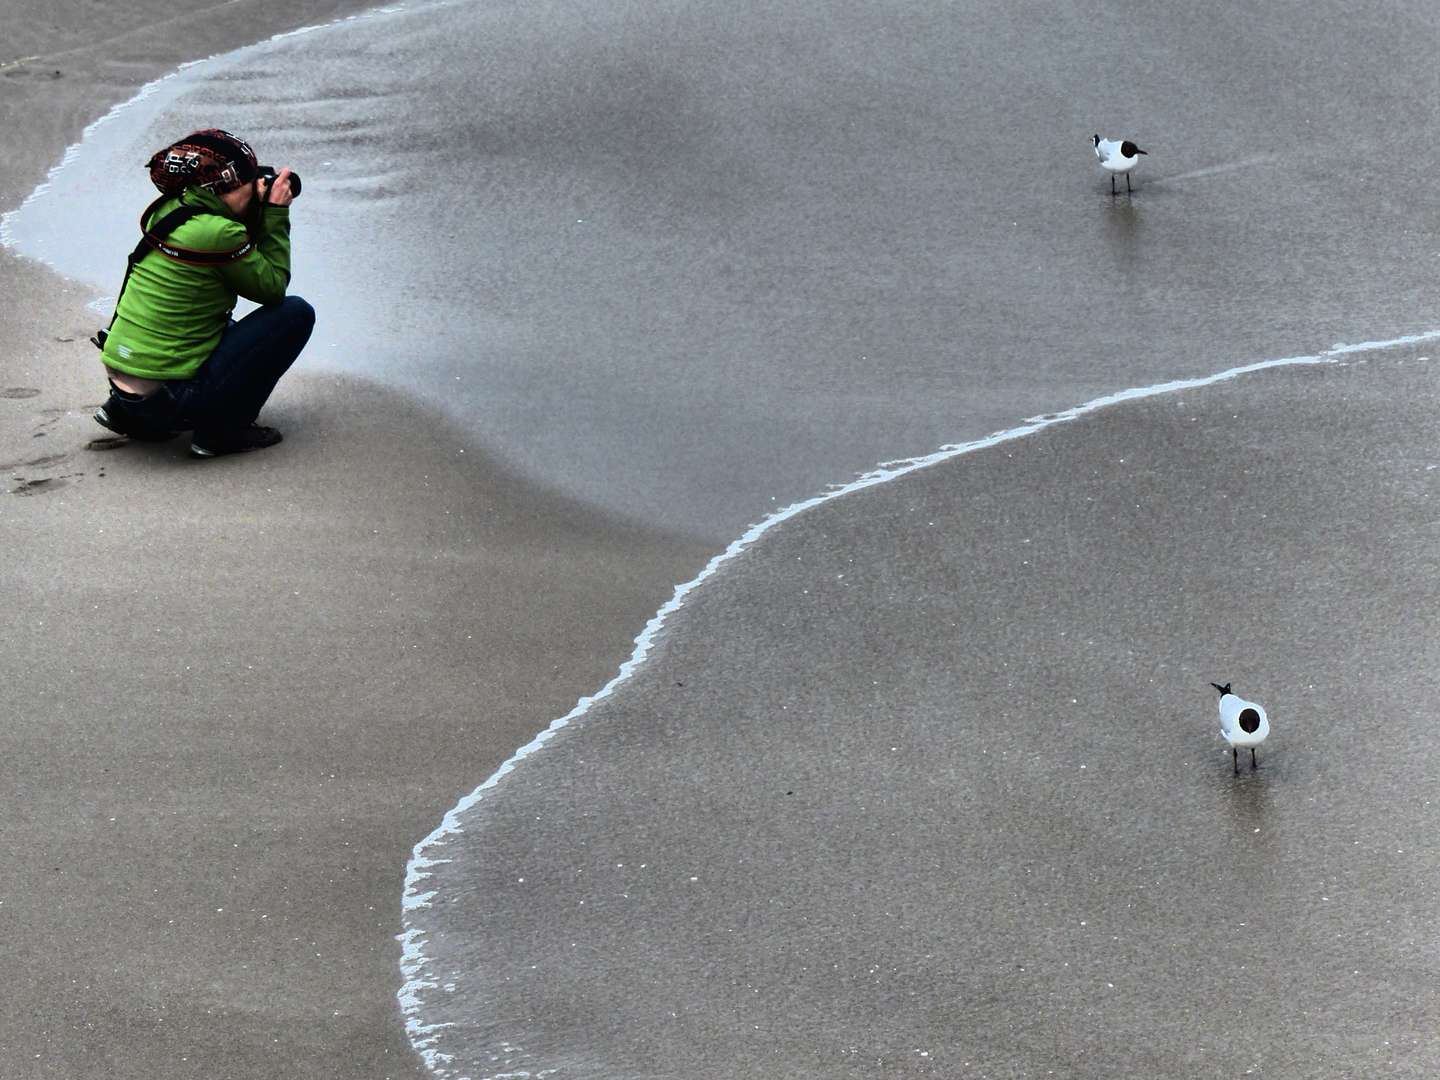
<point x="210" y="159"/>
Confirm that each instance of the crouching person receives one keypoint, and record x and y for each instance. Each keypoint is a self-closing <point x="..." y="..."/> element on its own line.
<point x="176" y="359"/>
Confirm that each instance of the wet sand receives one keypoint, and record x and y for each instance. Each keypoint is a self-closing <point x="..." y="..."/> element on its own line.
<point x="283" y="743"/>
<point x="929" y="781"/>
<point x="236" y="692"/>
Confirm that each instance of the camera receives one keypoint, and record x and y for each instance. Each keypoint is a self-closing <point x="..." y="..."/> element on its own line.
<point x="267" y="172"/>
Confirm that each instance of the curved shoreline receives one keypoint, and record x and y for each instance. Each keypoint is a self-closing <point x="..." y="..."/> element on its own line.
<point x="425" y="1036"/>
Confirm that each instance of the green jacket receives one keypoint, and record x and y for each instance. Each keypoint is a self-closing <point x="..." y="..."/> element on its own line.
<point x="172" y="313"/>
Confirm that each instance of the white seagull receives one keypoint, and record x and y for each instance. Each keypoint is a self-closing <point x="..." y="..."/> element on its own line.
<point x="1117" y="157"/>
<point x="1242" y="723"/>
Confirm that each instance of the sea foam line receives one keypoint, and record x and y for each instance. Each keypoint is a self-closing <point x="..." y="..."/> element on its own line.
<point x="413" y="961"/>
<point x="1215" y="170"/>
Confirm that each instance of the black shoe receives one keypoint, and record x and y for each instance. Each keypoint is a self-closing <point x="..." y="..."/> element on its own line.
<point x="114" y="418"/>
<point x="243" y="441"/>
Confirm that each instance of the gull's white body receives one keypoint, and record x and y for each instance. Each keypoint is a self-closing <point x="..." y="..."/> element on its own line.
<point x="1234" y="720"/>
<point x="1112" y="156"/>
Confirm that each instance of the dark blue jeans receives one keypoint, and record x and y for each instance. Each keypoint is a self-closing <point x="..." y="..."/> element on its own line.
<point x="226" y="394"/>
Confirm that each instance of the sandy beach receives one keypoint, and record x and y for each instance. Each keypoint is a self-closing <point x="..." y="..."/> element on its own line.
<point x="926" y="783"/>
<point x="234" y="697"/>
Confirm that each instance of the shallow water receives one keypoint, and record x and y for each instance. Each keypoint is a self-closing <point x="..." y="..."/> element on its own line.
<point x="694" y="262"/>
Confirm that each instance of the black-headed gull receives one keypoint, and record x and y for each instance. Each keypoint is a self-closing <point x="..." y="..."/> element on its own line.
<point x="1117" y="157"/>
<point x="1242" y="723"/>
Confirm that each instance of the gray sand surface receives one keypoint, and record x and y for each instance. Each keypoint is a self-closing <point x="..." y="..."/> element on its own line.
<point x="275" y="674"/>
<point x="930" y="784"/>
<point x="234" y="693"/>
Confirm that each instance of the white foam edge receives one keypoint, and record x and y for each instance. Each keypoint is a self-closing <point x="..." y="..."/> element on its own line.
<point x="413" y="961"/>
<point x="7" y="237"/>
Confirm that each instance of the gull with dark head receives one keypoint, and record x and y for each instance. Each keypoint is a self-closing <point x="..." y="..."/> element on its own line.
<point x="1242" y="723"/>
<point x="1117" y="156"/>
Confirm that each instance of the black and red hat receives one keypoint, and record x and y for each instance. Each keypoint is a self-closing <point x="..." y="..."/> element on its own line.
<point x="210" y="159"/>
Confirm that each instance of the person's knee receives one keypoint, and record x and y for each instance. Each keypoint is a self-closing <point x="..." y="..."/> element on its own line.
<point x="298" y="310"/>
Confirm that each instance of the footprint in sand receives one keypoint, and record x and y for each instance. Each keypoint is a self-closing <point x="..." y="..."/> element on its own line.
<point x="23" y="482"/>
<point x="40" y="485"/>
<point x="43" y="462"/>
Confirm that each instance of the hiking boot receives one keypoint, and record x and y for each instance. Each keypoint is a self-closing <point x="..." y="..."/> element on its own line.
<point x="114" y="418"/>
<point x="254" y="437"/>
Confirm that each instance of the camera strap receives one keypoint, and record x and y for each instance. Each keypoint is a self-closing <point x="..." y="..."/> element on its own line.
<point x="153" y="238"/>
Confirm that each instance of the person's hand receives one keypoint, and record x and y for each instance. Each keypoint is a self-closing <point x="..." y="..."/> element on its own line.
<point x="278" y="192"/>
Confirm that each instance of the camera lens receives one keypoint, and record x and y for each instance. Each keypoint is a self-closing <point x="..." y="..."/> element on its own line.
<point x="267" y="172"/>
